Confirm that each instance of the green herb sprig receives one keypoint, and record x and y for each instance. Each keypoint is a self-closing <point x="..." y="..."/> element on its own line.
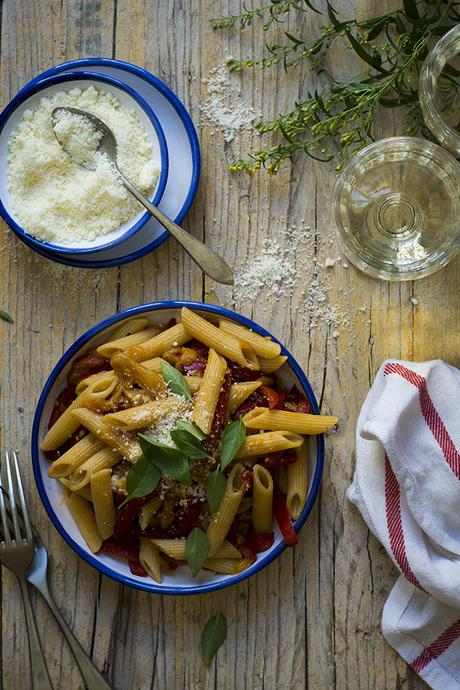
<point x="337" y="119"/>
<point x="4" y="316"/>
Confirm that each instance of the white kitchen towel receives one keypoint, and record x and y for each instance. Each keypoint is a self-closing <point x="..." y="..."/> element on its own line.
<point x="407" y="487"/>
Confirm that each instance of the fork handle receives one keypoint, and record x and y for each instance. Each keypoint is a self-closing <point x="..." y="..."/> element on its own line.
<point x="91" y="676"/>
<point x="39" y="670"/>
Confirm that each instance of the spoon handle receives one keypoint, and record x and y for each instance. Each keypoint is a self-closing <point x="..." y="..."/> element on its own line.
<point x="211" y="263"/>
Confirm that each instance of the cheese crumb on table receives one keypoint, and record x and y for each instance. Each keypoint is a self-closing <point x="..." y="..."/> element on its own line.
<point x="55" y="199"/>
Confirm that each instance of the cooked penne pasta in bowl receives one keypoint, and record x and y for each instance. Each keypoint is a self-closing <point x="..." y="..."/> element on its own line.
<point x="178" y="447"/>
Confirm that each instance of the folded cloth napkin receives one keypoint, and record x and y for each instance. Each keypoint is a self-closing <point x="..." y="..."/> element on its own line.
<point x="407" y="487"/>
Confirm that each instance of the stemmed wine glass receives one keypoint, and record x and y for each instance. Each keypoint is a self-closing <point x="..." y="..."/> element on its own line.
<point x="397" y="202"/>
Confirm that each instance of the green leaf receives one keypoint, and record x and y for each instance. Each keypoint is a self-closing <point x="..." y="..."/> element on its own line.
<point x="175" y="381"/>
<point x="214" y="634"/>
<point x="215" y="489"/>
<point x="142" y="479"/>
<point x="168" y="460"/>
<point x="4" y="316"/>
<point x="188" y="444"/>
<point x="232" y="438"/>
<point x="183" y="425"/>
<point x="196" y="550"/>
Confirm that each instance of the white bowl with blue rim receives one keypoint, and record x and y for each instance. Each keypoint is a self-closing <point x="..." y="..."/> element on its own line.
<point x="51" y="492"/>
<point x="29" y="98"/>
<point x="184" y="159"/>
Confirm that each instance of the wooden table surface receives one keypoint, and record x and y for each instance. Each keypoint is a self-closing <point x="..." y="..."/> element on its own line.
<point x="312" y="618"/>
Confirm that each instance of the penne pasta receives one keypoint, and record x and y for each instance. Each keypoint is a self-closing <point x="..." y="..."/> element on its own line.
<point x="75" y="456"/>
<point x="129" y="326"/>
<point x="262" y="500"/>
<point x="83" y="514"/>
<point x="84" y="492"/>
<point x="143" y="416"/>
<point x="127" y="341"/>
<point x="226" y="566"/>
<point x="268" y="442"/>
<point x="94" y="378"/>
<point x="148" y="510"/>
<point x="225" y="513"/>
<point x="66" y="424"/>
<point x="268" y="366"/>
<point x="225" y="344"/>
<point x="104" y="507"/>
<point x="279" y="420"/>
<point x="209" y="391"/>
<point x="129" y="371"/>
<point x="262" y="346"/>
<point x="297" y="482"/>
<point x="239" y="392"/>
<point x="172" y="337"/>
<point x="103" y="459"/>
<point x="95" y="423"/>
<point x="175" y="548"/>
<point x="149" y="558"/>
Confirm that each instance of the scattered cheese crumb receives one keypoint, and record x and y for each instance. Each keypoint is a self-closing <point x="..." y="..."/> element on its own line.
<point x="414" y="300"/>
<point x="224" y="106"/>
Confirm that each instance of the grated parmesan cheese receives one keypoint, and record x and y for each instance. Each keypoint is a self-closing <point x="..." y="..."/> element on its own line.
<point x="78" y="136"/>
<point x="161" y="430"/>
<point x="55" y="199"/>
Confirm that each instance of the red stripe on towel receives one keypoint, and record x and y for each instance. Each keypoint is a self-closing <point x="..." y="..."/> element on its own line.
<point x="432" y="418"/>
<point x="437" y="647"/>
<point x="394" y="523"/>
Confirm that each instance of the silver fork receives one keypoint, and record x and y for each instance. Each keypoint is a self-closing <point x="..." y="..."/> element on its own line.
<point x="16" y="554"/>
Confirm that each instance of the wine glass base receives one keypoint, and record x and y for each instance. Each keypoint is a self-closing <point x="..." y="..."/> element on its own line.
<point x="396" y="208"/>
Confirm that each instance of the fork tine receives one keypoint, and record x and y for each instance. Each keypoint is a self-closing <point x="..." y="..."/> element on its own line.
<point x="12" y="497"/>
<point x="4" y="519"/>
<point x="22" y="500"/>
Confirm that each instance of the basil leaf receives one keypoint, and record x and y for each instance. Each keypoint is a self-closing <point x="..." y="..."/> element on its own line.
<point x="196" y="549"/>
<point x="175" y="381"/>
<point x="215" y="489"/>
<point x="142" y="479"/>
<point x="4" y="316"/>
<point x="170" y="461"/>
<point x="191" y="428"/>
<point x="232" y="438"/>
<point x="188" y="444"/>
<point x="214" y="634"/>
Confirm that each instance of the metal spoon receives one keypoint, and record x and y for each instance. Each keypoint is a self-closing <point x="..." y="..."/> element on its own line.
<point x="211" y="263"/>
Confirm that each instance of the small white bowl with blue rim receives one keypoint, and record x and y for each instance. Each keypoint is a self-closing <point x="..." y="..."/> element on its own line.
<point x="183" y="151"/>
<point x="28" y="99"/>
<point x="179" y="581"/>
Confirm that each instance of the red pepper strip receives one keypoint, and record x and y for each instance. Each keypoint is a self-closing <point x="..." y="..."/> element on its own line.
<point x="247" y="552"/>
<point x="243" y="373"/>
<point x="200" y="348"/>
<point x="270" y="395"/>
<point x="283" y="518"/>
<point x="90" y="363"/>
<point x="211" y="443"/>
<point x="154" y="532"/>
<point x="303" y="404"/>
<point x="186" y="521"/>
<point x="137" y="569"/>
<point x="172" y="322"/>
<point x="289" y="457"/>
<point x="62" y="402"/>
<point x="127" y="515"/>
<point x="260" y="542"/>
<point x="127" y="550"/>
<point x="256" y="399"/>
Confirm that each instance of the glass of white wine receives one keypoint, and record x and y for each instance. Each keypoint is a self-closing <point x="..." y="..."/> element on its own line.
<point x="397" y="202"/>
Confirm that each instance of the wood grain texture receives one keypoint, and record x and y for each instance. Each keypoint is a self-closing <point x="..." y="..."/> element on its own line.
<point x="312" y="618"/>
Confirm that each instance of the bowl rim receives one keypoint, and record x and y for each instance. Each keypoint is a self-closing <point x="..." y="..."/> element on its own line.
<point x="88" y="557"/>
<point x="184" y="116"/>
<point x="35" y="87"/>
